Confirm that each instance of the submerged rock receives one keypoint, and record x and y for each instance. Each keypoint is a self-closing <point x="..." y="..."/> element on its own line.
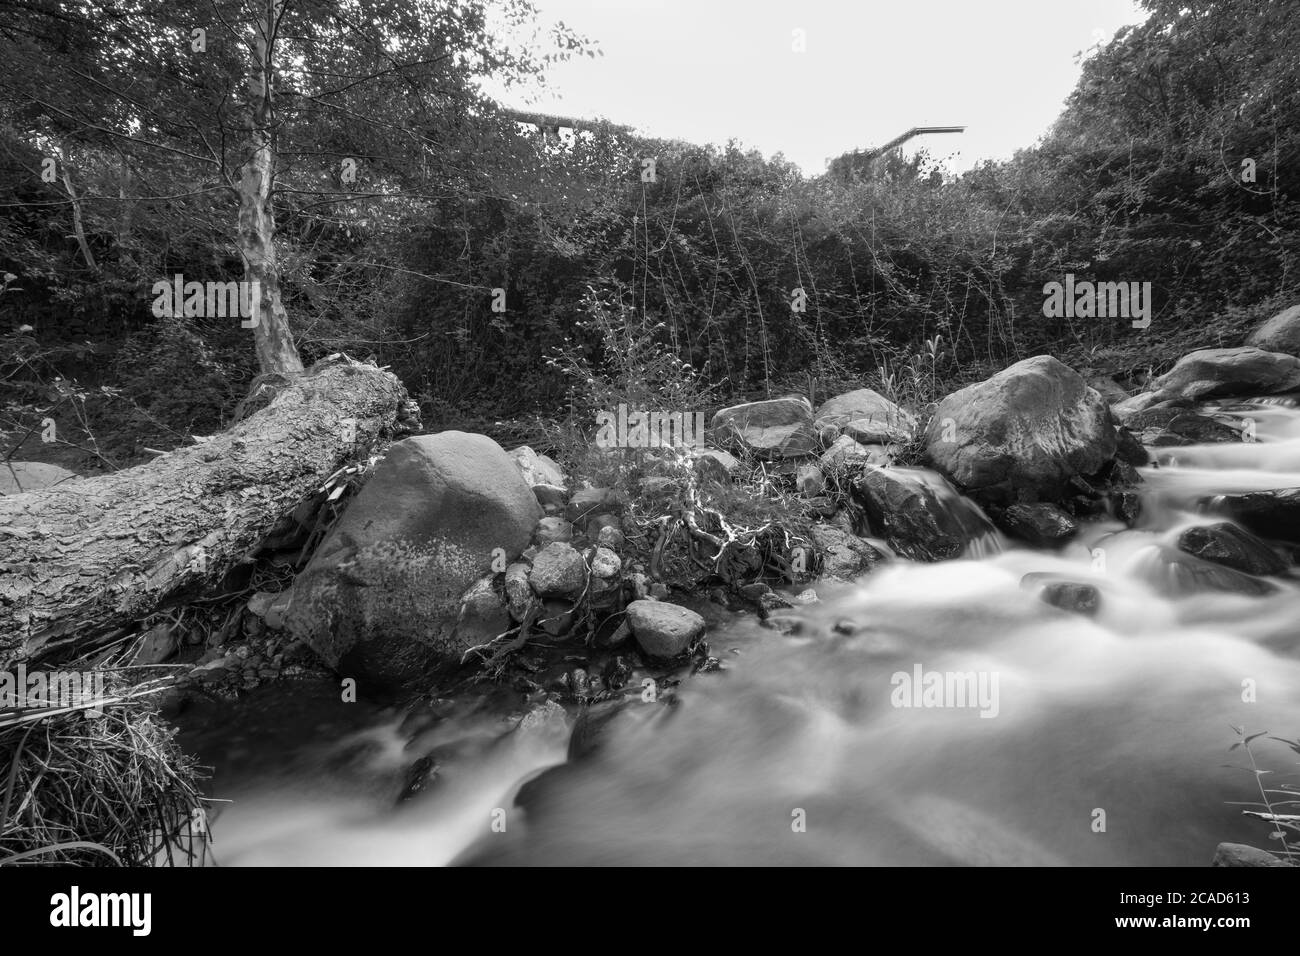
<point x="1025" y="431"/>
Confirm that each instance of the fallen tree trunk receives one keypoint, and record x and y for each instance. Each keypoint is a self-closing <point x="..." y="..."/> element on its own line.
<point x="97" y="554"/>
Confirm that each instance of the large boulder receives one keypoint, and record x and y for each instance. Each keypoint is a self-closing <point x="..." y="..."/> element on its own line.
<point x="1215" y="373"/>
<point x="17" y="477"/>
<point x="864" y="415"/>
<point x="1280" y="333"/>
<point x="776" y="428"/>
<point x="918" y="514"/>
<point x="1025" y="432"/>
<point x="381" y="598"/>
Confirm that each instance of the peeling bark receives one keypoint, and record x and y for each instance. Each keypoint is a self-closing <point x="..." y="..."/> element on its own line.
<point x="98" y="553"/>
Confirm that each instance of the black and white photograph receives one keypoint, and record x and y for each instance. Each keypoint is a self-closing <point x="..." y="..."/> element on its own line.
<point x="650" y="433"/>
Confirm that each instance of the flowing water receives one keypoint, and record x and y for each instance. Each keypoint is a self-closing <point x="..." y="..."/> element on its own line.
<point x="1099" y="740"/>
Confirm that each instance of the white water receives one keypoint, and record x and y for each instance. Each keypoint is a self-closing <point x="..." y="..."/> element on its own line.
<point x="1129" y="713"/>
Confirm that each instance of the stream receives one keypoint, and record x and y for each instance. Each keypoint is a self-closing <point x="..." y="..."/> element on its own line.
<point x="1105" y="740"/>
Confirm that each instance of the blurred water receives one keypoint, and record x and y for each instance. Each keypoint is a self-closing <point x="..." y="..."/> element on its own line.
<point x="795" y="753"/>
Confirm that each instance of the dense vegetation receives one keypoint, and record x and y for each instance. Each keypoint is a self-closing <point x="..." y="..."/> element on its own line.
<point x="914" y="279"/>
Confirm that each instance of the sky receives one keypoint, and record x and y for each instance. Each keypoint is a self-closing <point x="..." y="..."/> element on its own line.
<point x="706" y="71"/>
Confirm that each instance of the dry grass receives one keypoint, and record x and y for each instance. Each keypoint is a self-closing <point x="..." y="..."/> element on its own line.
<point x="102" y="783"/>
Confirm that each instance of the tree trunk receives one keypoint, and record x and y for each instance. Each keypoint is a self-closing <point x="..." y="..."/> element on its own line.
<point x="276" y="351"/>
<point x="97" y="553"/>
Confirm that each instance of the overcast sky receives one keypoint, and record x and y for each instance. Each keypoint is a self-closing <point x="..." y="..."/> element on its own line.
<point x="710" y="70"/>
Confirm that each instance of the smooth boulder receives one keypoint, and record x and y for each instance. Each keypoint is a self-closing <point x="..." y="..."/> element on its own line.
<point x="865" y="416"/>
<point x="776" y="428"/>
<point x="1217" y="373"/>
<point x="381" y="598"/>
<point x="1280" y="333"/>
<point x="1024" y="432"/>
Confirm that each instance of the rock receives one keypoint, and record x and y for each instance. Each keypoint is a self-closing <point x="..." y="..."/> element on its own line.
<point x="556" y="618"/>
<point x="614" y="637"/>
<point x="865" y="416"/>
<point x="809" y="480"/>
<point x="1225" y="543"/>
<point x="1273" y="515"/>
<point x="519" y="593"/>
<point x="558" y="571"/>
<point x="1126" y="506"/>
<point x="1128" y="449"/>
<point x="1130" y="406"/>
<point x="661" y="629"/>
<point x="807" y="596"/>
<point x="1042" y="525"/>
<point x="1239" y="854"/>
<point x="710" y="464"/>
<point x="590" y="502"/>
<point x="1214" y="373"/>
<point x="777" y="428"/>
<point x="550" y="530"/>
<point x="551" y="495"/>
<point x="1073" y="596"/>
<point x="1028" y="429"/>
<point x="1165" y="425"/>
<point x="605" y="563"/>
<point x="846" y="452"/>
<point x="920" y="516"/>
<point x="844" y="555"/>
<point x="660" y="486"/>
<point x="483" y="613"/>
<point x="260" y="602"/>
<point x="1108" y="389"/>
<point x="537" y="469"/>
<point x="639" y="585"/>
<point x="157" y="645"/>
<point x="610" y="537"/>
<point x="1175" y="573"/>
<point x="1280" y="333"/>
<point x="17" y="477"/>
<point x="382" y="595"/>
